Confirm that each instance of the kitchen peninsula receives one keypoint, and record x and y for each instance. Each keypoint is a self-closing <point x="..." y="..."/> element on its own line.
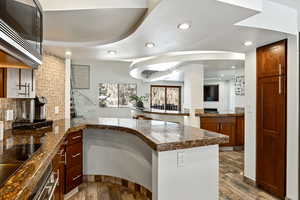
<point x="161" y="153"/>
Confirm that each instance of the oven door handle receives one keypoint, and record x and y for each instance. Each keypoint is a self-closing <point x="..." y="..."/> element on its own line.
<point x="47" y="187"/>
<point x="53" y="188"/>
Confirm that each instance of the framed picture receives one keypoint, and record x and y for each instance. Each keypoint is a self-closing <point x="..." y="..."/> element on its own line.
<point x="80" y="76"/>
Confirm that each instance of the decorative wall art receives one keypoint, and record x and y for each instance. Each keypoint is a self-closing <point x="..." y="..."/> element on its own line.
<point x="240" y="85"/>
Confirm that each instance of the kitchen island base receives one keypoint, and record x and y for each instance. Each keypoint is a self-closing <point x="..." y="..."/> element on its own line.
<point x="178" y="174"/>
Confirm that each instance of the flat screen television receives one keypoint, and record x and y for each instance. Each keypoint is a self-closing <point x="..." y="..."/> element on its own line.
<point x="211" y="93"/>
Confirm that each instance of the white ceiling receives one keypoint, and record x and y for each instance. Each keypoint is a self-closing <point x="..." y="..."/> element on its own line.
<point x="212" y="29"/>
<point x="91" y="27"/>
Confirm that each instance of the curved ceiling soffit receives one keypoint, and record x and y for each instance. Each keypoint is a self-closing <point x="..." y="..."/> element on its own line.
<point x="97" y="42"/>
<point x="170" y="62"/>
<point x="142" y="20"/>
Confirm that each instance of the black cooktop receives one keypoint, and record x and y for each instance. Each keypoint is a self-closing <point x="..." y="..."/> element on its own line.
<point x="31" y="126"/>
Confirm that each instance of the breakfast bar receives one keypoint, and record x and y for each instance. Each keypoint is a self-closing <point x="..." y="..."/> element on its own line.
<point x="171" y="160"/>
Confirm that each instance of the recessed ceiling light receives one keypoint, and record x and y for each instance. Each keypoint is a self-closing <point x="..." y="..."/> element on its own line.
<point x="184" y="26"/>
<point x="112" y="52"/>
<point x="150" y="44"/>
<point x="68" y="53"/>
<point x="233" y="67"/>
<point x="248" y="43"/>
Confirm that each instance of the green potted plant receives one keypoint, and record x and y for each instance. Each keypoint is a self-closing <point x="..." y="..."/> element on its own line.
<point x="138" y="101"/>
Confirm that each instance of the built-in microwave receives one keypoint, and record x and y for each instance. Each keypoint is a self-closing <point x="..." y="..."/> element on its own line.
<point x="21" y="30"/>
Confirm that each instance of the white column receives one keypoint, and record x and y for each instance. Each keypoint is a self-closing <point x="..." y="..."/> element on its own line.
<point x="67" y="87"/>
<point x="193" y="92"/>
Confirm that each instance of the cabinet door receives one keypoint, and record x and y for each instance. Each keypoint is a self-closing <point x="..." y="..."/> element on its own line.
<point x="2" y="82"/>
<point x="12" y="83"/>
<point x="271" y="59"/>
<point x="210" y="124"/>
<point x="240" y="131"/>
<point x="271" y="135"/>
<point x="227" y="127"/>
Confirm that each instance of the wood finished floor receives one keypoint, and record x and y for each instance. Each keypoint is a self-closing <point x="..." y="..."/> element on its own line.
<point x="232" y="186"/>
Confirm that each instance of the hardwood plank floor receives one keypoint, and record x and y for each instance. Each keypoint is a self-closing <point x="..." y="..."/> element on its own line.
<point x="232" y="186"/>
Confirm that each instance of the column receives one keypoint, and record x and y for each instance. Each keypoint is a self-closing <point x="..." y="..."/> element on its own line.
<point x="67" y="87"/>
<point x="193" y="92"/>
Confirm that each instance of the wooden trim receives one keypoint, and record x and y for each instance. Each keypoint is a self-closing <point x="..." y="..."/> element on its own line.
<point x="7" y="61"/>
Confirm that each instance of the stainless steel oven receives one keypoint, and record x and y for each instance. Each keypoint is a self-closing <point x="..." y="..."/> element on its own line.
<point x="47" y="185"/>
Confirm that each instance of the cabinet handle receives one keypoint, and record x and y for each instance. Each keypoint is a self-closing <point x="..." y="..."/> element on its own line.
<point x="279" y="86"/>
<point x="65" y="158"/>
<point x="76" y="177"/>
<point x="280" y="69"/>
<point x="76" y="137"/>
<point x="74" y="156"/>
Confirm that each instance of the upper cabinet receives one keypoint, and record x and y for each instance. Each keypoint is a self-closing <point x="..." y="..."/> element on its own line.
<point x="271" y="59"/>
<point x="17" y="83"/>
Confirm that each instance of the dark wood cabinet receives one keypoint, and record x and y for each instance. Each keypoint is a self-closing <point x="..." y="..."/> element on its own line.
<point x="271" y="118"/>
<point x="225" y="125"/>
<point x="73" y="167"/>
<point x="2" y="82"/>
<point x="240" y="129"/>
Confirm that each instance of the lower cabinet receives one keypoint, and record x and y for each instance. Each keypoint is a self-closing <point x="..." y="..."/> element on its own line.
<point x="73" y="166"/>
<point x="230" y="126"/>
<point x="67" y="164"/>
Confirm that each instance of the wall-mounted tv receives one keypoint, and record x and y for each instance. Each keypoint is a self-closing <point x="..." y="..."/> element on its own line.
<point x="211" y="92"/>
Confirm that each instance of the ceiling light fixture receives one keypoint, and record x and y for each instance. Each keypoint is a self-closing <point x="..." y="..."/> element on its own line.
<point x="112" y="52"/>
<point x="233" y="67"/>
<point x="248" y="43"/>
<point x="68" y="53"/>
<point x="184" y="26"/>
<point x="150" y="44"/>
<point x="222" y="75"/>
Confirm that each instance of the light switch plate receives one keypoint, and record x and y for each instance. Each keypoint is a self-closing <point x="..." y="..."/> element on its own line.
<point x="56" y="110"/>
<point x="180" y="159"/>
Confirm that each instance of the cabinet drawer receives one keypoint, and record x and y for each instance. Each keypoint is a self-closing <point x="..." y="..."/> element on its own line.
<point x="73" y="178"/>
<point x="74" y="137"/>
<point x="74" y="155"/>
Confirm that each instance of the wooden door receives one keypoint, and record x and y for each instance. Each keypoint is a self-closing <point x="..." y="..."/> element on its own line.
<point x="271" y="135"/>
<point x="227" y="127"/>
<point x="271" y="59"/>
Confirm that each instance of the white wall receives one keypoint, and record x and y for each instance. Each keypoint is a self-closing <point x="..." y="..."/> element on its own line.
<point x="250" y="115"/>
<point x="224" y="93"/>
<point x="227" y="98"/>
<point x="86" y="100"/>
<point x="101" y="72"/>
<point x="292" y="118"/>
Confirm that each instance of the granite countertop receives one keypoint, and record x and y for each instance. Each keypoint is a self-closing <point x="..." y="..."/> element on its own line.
<point x="159" y="135"/>
<point x="162" y="112"/>
<point x="221" y="114"/>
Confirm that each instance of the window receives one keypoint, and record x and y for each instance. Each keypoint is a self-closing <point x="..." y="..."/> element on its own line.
<point x="165" y="97"/>
<point x="116" y="94"/>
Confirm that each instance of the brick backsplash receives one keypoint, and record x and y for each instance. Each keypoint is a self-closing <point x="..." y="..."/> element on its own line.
<point x="50" y="82"/>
